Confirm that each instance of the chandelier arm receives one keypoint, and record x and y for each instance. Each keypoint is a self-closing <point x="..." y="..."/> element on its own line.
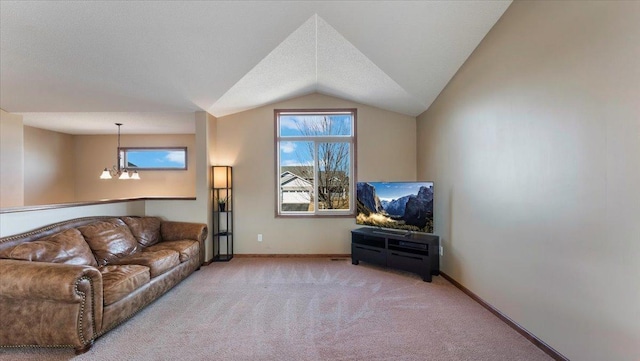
<point x="118" y="150"/>
<point x="114" y="171"/>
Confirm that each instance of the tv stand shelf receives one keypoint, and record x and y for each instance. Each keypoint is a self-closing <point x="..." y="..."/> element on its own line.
<point x="412" y="252"/>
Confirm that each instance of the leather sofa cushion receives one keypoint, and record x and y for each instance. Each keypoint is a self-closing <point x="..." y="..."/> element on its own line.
<point x="187" y="248"/>
<point x="67" y="247"/>
<point x="146" y="230"/>
<point x="158" y="262"/>
<point x="118" y="281"/>
<point x="109" y="240"/>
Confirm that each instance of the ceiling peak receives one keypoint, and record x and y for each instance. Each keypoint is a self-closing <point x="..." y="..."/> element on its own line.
<point x="316" y="58"/>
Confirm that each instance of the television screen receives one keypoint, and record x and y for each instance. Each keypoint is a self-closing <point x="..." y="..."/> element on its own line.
<point x="400" y="205"/>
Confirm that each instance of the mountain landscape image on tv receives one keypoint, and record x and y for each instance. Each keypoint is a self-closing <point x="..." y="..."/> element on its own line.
<point x="399" y="205"/>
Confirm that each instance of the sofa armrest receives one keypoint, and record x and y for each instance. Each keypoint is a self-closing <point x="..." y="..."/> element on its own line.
<point x="49" y="304"/>
<point x="176" y="231"/>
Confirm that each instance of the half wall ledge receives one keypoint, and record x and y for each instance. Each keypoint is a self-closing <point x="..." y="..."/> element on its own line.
<point x="90" y="203"/>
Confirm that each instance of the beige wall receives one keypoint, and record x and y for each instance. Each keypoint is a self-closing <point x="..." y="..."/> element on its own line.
<point x="95" y="152"/>
<point x="535" y="150"/>
<point x="11" y="160"/>
<point x="386" y="151"/>
<point x="200" y="209"/>
<point x="48" y="167"/>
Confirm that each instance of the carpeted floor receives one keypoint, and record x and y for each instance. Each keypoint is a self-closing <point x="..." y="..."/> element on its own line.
<point x="305" y="309"/>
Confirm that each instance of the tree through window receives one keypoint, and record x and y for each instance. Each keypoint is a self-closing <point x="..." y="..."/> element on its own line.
<point x="315" y="161"/>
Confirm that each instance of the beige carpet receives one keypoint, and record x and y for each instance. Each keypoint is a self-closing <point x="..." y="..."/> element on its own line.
<point x="305" y="309"/>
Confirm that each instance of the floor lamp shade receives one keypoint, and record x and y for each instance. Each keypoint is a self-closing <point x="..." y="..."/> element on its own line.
<point x="221" y="176"/>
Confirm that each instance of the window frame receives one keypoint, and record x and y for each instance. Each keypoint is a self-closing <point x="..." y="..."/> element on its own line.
<point x="122" y="157"/>
<point x="349" y="139"/>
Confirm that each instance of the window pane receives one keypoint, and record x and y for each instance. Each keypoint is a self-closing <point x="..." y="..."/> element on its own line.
<point x="315" y="125"/>
<point x="154" y="158"/>
<point x="333" y="175"/>
<point x="315" y="164"/>
<point x="296" y="176"/>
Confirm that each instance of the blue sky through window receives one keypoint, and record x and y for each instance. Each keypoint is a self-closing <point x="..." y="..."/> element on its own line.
<point x="156" y="158"/>
<point x="296" y="153"/>
<point x="301" y="125"/>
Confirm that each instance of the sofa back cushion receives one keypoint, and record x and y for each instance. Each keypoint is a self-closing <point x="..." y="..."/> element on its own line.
<point x="109" y="240"/>
<point x="146" y="230"/>
<point x="65" y="247"/>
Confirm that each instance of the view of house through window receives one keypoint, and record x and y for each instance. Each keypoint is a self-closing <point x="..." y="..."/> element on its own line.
<point x="315" y="161"/>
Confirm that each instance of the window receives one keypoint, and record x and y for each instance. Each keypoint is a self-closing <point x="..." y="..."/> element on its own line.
<point x="315" y="162"/>
<point x="167" y="158"/>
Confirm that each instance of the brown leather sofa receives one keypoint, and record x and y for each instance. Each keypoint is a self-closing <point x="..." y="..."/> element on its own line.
<point x="66" y="284"/>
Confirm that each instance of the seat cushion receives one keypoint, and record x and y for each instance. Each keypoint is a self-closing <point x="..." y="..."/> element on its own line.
<point x="187" y="248"/>
<point x="146" y="230"/>
<point x="118" y="281"/>
<point x="67" y="247"/>
<point x="109" y="240"/>
<point x="158" y="262"/>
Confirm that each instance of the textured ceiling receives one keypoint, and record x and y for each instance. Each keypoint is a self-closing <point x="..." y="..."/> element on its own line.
<point x="316" y="58"/>
<point x="124" y="59"/>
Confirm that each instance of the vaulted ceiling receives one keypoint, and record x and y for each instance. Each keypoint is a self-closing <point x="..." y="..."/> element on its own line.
<point x="77" y="66"/>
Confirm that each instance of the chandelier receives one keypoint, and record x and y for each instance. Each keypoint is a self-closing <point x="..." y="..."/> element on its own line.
<point x="116" y="171"/>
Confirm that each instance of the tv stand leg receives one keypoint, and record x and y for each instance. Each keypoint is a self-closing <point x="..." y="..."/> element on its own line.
<point x="427" y="278"/>
<point x="355" y="261"/>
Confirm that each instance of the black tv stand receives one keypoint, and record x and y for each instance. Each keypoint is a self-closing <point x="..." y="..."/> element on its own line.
<point x="392" y="233"/>
<point x="412" y="252"/>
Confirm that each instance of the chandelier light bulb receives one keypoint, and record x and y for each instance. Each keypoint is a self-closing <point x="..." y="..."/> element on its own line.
<point x="105" y="174"/>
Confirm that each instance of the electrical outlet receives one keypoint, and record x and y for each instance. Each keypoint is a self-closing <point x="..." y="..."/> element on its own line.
<point x="441" y="251"/>
<point x="259" y="237"/>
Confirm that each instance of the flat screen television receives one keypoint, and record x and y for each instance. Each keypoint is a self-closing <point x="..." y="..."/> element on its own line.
<point x="405" y="206"/>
